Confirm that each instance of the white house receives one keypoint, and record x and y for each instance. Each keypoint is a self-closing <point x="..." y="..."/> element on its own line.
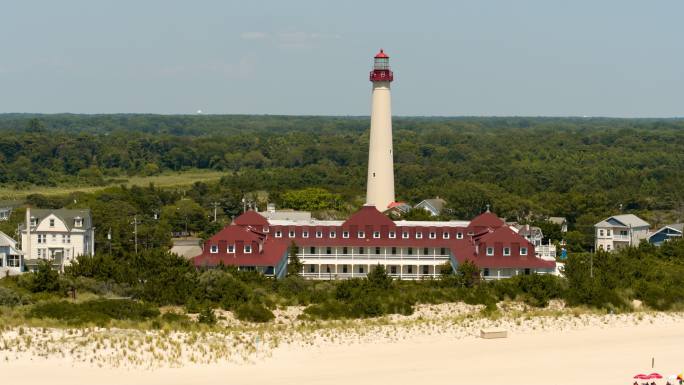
<point x="433" y="206"/>
<point x="620" y="231"/>
<point x="57" y="235"/>
<point x="11" y="261"/>
<point x="6" y="208"/>
<point x="535" y="236"/>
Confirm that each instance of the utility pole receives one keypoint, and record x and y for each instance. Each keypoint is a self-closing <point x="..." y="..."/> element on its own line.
<point x="591" y="264"/>
<point x="109" y="238"/>
<point x="215" y="204"/>
<point x="135" y="231"/>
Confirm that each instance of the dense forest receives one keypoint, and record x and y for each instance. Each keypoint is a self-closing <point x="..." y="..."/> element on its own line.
<point x="525" y="168"/>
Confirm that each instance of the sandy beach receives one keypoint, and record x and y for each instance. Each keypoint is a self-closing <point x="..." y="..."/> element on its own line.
<point x="606" y="349"/>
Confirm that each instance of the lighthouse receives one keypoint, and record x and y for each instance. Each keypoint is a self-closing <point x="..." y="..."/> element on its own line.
<point x="380" y="185"/>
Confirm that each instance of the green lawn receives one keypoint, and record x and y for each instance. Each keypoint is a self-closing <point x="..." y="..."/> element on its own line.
<point x="183" y="178"/>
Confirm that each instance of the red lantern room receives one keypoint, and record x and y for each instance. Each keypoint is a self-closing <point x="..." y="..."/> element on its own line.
<point x="381" y="68"/>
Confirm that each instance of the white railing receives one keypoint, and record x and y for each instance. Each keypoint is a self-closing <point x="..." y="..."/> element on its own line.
<point x="386" y="257"/>
<point x="331" y="276"/>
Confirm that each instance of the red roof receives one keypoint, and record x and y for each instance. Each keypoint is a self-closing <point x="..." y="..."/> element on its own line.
<point x="395" y="204"/>
<point x="381" y="55"/>
<point x="265" y="251"/>
<point x="486" y="219"/>
<point x="368" y="215"/>
<point x="251" y="218"/>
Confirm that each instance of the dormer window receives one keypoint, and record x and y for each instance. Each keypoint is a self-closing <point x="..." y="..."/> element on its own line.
<point x="345" y="234"/>
<point x="523" y="251"/>
<point x="278" y="234"/>
<point x="405" y="235"/>
<point x="231" y="249"/>
<point x="265" y="229"/>
<point x="459" y="235"/>
<point x="506" y="251"/>
<point x="78" y="222"/>
<point x="248" y="249"/>
<point x="392" y="234"/>
<point x="490" y="251"/>
<point x="361" y="234"/>
<point x="291" y="234"/>
<point x="52" y="223"/>
<point x="333" y="234"/>
<point x="419" y="235"/>
<point x="305" y="234"/>
<point x="33" y="221"/>
<point x="433" y="235"/>
<point x="214" y="249"/>
<point x="319" y="234"/>
<point x="445" y="235"/>
<point x="376" y="234"/>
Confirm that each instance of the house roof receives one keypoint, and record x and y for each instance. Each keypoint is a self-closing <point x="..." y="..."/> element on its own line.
<point x="368" y="215"/>
<point x="6" y="240"/>
<point x="557" y="220"/>
<point x="435" y="203"/>
<point x="251" y="218"/>
<point x="675" y="226"/>
<point x="486" y="219"/>
<point x="65" y="215"/>
<point x="623" y="220"/>
<point x="270" y="252"/>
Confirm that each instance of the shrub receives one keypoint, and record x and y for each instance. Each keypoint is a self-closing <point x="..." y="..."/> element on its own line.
<point x="98" y="311"/>
<point x="9" y="297"/>
<point x="253" y="312"/>
<point x="207" y="316"/>
<point x="44" y="279"/>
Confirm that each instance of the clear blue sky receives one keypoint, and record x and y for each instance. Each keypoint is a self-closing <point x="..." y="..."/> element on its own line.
<point x="556" y="58"/>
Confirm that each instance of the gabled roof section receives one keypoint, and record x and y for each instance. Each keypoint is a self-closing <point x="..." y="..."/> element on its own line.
<point x="368" y="215"/>
<point x="502" y="234"/>
<point x="624" y="220"/>
<point x="251" y="218"/>
<point x="486" y="219"/>
<point x="65" y="215"/>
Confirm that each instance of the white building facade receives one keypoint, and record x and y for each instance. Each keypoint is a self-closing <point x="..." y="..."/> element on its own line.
<point x="59" y="236"/>
<point x="620" y="231"/>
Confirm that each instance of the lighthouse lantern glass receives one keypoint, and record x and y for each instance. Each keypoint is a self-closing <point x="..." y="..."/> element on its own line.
<point x="381" y="63"/>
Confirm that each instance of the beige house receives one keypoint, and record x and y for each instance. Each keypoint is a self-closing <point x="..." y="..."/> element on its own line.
<point x="620" y="231"/>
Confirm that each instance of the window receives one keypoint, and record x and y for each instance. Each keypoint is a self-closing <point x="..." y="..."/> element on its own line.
<point x="393" y="270"/>
<point x="40" y="253"/>
<point x="63" y="238"/>
<point x="54" y="237"/>
<point x="392" y="234"/>
<point x="608" y="247"/>
<point x="13" y="261"/>
<point x="312" y="250"/>
<point x="361" y="250"/>
<point x="394" y="251"/>
<point x="405" y="235"/>
<point x="600" y="232"/>
<point x="214" y="249"/>
<point x="432" y="235"/>
<point x="33" y="221"/>
<point x="265" y="229"/>
<point x="377" y="250"/>
<point x="409" y="269"/>
<point x="328" y="250"/>
<point x="78" y="222"/>
<point x="345" y="234"/>
<point x="426" y="251"/>
<point x="52" y="223"/>
<point x="507" y="251"/>
<point x="442" y="251"/>
<point x="376" y="234"/>
<point x="248" y="249"/>
<point x="278" y="234"/>
<point x="410" y="251"/>
<point x="344" y="250"/>
<point x="305" y="234"/>
<point x="361" y="269"/>
<point x="523" y="251"/>
<point x="361" y="234"/>
<point x="419" y="235"/>
<point x="490" y="251"/>
<point x="426" y="269"/>
<point x="291" y="234"/>
<point x="312" y="268"/>
<point x="624" y="232"/>
<point x="527" y="271"/>
<point x="319" y="234"/>
<point x="445" y="235"/>
<point x="68" y="240"/>
<point x="608" y="233"/>
<point x="231" y="248"/>
<point x="333" y="234"/>
<point x="486" y="272"/>
<point x="42" y="238"/>
<point x="327" y="269"/>
<point x="344" y="268"/>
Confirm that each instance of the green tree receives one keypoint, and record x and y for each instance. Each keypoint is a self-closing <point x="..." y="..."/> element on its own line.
<point x="294" y="264"/>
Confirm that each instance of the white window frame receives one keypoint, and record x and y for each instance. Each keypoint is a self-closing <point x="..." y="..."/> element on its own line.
<point x="459" y="235"/>
<point x="506" y="251"/>
<point x="78" y="222"/>
<point x="345" y="234"/>
<point x="490" y="251"/>
<point x="445" y="235"/>
<point x="231" y="249"/>
<point x="52" y="222"/>
<point x="213" y="249"/>
<point x="332" y="234"/>
<point x="319" y="234"/>
<point x="278" y="234"/>
<point x="265" y="229"/>
<point x="392" y="234"/>
<point x="247" y="249"/>
<point x="361" y="234"/>
<point x="607" y="232"/>
<point x="523" y="251"/>
<point x="432" y="235"/>
<point x="376" y="234"/>
<point x="419" y="235"/>
<point x="291" y="234"/>
<point x="405" y="235"/>
<point x="305" y="234"/>
<point x="600" y="232"/>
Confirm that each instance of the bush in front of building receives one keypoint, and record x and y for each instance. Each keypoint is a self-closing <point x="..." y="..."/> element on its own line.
<point x="9" y="297"/>
<point x="98" y="312"/>
<point x="253" y="312"/>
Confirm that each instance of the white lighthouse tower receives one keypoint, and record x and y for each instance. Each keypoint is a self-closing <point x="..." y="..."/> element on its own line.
<point x="380" y="186"/>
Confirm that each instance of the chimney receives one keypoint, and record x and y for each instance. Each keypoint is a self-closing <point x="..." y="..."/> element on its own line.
<point x="27" y="245"/>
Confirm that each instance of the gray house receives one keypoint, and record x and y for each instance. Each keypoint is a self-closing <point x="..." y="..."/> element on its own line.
<point x="666" y="233"/>
<point x="11" y="259"/>
<point x="620" y="231"/>
<point x="433" y="206"/>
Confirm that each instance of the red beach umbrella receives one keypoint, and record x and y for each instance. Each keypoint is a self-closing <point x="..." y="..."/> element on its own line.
<point x="654" y="375"/>
<point x="642" y="377"/>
